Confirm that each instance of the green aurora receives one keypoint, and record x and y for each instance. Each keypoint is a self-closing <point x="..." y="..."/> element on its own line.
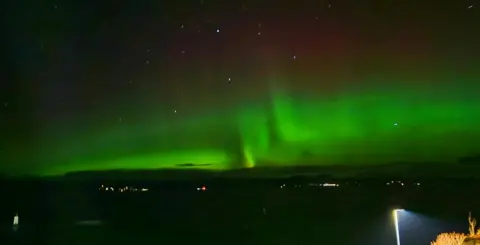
<point x="226" y="86"/>
<point x="367" y="126"/>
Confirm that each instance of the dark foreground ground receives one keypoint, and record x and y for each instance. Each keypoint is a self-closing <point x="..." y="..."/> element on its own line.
<point x="237" y="216"/>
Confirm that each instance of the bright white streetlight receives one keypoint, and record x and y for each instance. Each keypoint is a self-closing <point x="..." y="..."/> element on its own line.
<point x="395" y="218"/>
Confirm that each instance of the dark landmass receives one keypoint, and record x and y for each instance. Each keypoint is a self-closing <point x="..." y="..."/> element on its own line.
<point x="193" y="165"/>
<point x="268" y="201"/>
<point x="394" y="170"/>
<point x="465" y="167"/>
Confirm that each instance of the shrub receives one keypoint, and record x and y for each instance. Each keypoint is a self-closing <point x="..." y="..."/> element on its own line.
<point x="452" y="238"/>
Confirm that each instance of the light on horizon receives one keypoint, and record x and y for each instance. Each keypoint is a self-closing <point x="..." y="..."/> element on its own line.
<point x="15" y="222"/>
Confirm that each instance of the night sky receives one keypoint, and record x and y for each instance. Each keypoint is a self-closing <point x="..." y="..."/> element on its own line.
<point x="93" y="85"/>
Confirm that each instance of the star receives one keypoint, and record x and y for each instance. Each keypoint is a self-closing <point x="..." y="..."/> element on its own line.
<point x="5" y="104"/>
<point x="471" y="6"/>
<point x="174" y="111"/>
<point x="294" y="57"/>
<point x="120" y="119"/>
<point x="183" y="51"/>
<point x="259" y="33"/>
<point x="218" y="30"/>
<point x="147" y="62"/>
<point x="243" y="8"/>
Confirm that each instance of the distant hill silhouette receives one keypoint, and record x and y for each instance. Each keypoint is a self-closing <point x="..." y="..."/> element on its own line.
<point x="468" y="166"/>
<point x="470" y="160"/>
<point x="394" y="170"/>
<point x="193" y="165"/>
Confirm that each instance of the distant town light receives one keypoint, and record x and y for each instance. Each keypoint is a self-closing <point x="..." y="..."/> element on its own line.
<point x="330" y="185"/>
<point x="15" y="222"/>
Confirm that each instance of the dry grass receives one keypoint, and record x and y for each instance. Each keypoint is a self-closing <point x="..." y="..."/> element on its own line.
<point x="452" y="238"/>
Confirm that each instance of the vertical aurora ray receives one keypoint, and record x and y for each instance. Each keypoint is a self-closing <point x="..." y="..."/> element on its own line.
<point x="254" y="134"/>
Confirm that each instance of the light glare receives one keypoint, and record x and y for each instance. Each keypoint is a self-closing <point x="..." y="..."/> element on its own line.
<point x="395" y="217"/>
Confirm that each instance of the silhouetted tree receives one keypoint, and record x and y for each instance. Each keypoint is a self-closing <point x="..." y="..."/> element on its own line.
<point x="472" y="223"/>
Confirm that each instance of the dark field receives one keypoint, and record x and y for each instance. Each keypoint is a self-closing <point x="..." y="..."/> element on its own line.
<point x="235" y="215"/>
